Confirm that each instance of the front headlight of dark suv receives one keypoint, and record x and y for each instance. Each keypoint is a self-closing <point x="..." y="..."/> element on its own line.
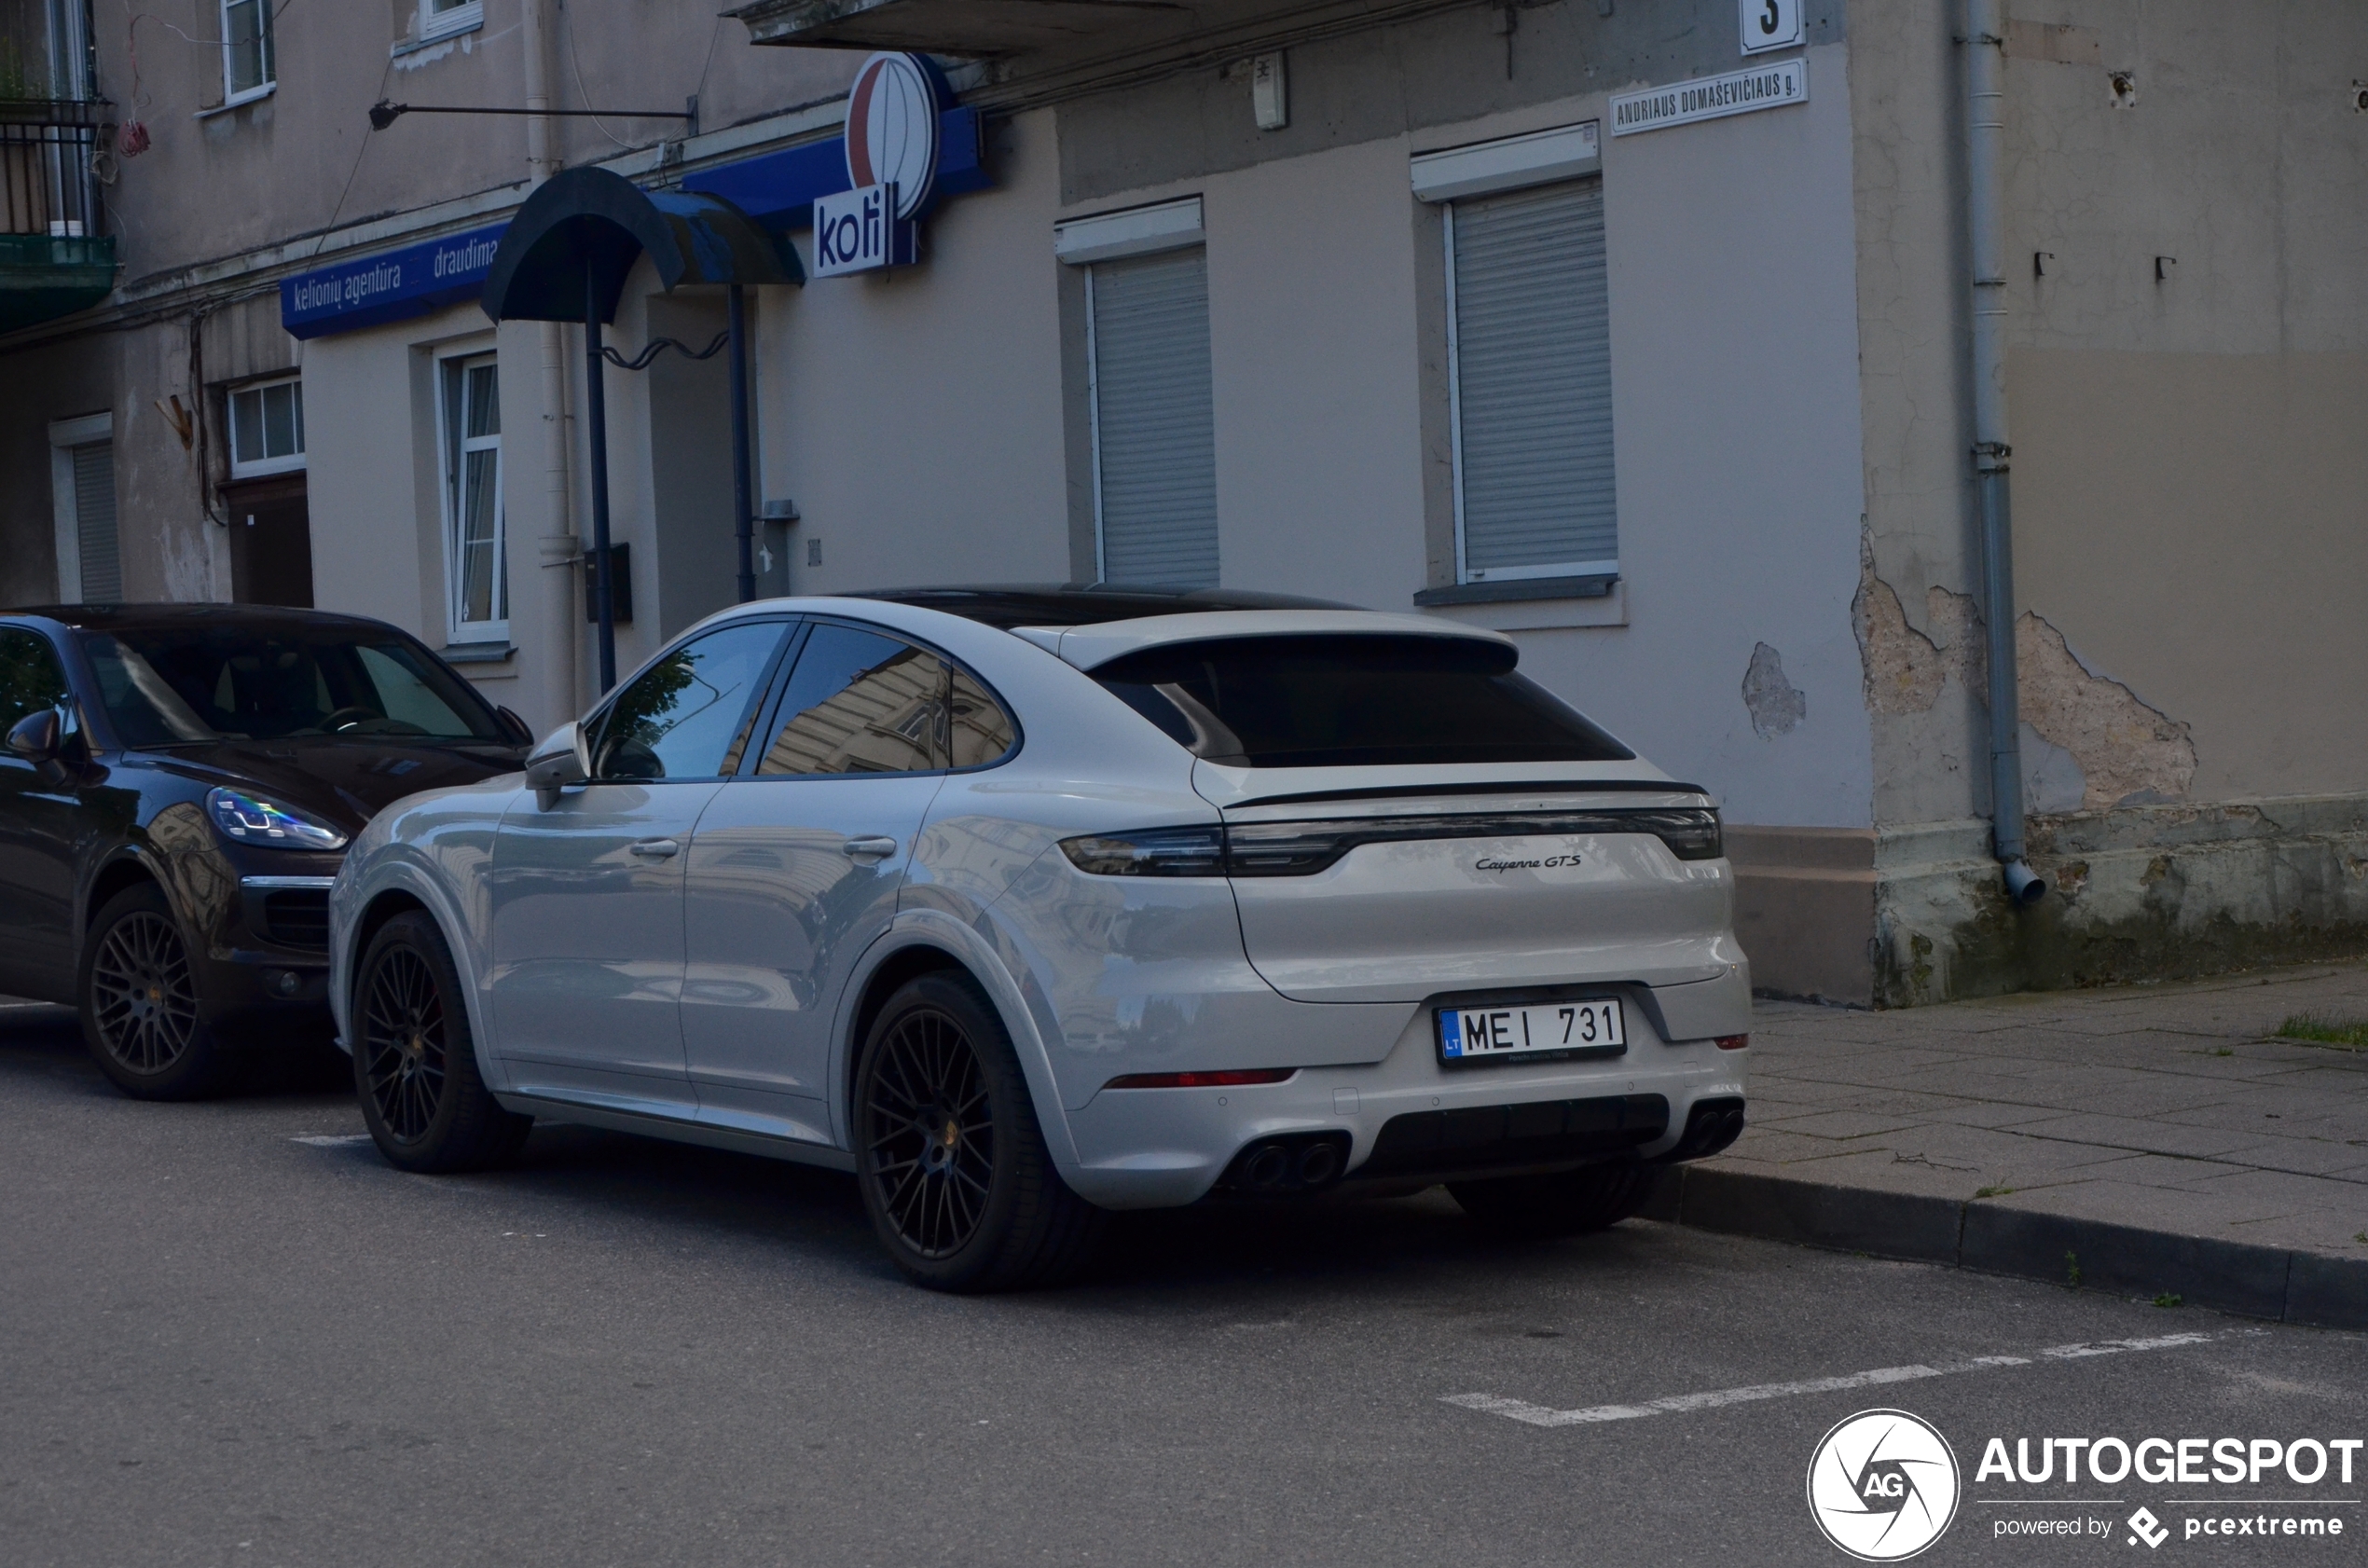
<point x="250" y="818"/>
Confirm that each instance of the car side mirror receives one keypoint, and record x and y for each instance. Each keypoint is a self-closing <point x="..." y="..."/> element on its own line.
<point x="37" y="737"/>
<point x="561" y="761"/>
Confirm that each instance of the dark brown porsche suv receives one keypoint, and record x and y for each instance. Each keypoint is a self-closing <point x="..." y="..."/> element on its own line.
<point x="177" y="787"/>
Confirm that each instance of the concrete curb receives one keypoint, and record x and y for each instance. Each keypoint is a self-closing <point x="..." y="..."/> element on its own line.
<point x="2265" y="1282"/>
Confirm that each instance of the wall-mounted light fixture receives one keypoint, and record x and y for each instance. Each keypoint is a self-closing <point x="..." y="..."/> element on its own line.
<point x="1269" y="92"/>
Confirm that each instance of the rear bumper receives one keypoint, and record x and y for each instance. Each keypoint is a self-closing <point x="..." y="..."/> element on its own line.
<point x="1411" y="1122"/>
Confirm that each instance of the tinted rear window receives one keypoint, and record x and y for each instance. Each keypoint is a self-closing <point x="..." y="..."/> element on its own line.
<point x="1353" y="701"/>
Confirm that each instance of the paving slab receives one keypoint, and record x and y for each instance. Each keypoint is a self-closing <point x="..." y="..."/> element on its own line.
<point x="2163" y="1131"/>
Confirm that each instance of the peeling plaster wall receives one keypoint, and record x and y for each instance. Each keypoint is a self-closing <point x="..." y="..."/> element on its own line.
<point x="2191" y="483"/>
<point x="2189" y="477"/>
<point x="1919" y="555"/>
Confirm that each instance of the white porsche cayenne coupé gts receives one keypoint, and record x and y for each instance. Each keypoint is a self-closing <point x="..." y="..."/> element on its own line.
<point x="1023" y="904"/>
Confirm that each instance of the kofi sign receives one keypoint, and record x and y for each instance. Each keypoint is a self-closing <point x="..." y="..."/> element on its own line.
<point x="891" y="162"/>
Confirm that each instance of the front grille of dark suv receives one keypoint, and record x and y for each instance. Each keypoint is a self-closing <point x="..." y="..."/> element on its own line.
<point x="298" y="920"/>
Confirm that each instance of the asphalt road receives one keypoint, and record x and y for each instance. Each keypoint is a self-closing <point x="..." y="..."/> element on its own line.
<point x="235" y="1337"/>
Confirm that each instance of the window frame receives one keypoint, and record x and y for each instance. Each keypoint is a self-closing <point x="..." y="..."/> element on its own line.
<point x="1444" y="177"/>
<point x="66" y="702"/>
<point x="769" y="713"/>
<point x="232" y="96"/>
<point x="791" y="638"/>
<point x="463" y="18"/>
<point x="263" y="466"/>
<point x="65" y="502"/>
<point x="453" y="444"/>
<point x="1608" y="568"/>
<point x="1093" y="271"/>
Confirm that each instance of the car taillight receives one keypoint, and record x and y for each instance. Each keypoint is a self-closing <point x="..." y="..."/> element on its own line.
<point x="1733" y="1042"/>
<point x="1302" y="848"/>
<point x="1227" y="1078"/>
<point x="1149" y="852"/>
<point x="1691" y="833"/>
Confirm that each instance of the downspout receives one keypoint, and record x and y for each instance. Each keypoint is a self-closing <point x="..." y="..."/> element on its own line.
<point x="561" y="550"/>
<point x="1984" y="44"/>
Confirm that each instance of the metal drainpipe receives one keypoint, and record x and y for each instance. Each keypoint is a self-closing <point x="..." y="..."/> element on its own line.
<point x="1985" y="45"/>
<point x="561" y="550"/>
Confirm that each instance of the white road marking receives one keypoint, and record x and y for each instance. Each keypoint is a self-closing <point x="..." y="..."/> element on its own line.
<point x="1539" y="1415"/>
<point x="330" y="1140"/>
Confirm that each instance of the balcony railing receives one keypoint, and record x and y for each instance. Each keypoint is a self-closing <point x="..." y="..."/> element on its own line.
<point x="46" y="183"/>
<point x="54" y="260"/>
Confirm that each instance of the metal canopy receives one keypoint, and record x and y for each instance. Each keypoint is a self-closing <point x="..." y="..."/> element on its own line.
<point x="963" y="27"/>
<point x="583" y="227"/>
<point x="564" y="258"/>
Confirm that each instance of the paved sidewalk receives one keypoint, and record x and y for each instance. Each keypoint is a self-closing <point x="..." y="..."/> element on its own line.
<point x="2152" y="1138"/>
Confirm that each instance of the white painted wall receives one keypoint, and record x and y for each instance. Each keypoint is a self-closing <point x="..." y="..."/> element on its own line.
<point x="916" y="419"/>
<point x="1737" y="440"/>
<point x="1315" y="350"/>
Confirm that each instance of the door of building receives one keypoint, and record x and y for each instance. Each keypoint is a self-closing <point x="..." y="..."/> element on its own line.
<point x="271" y="541"/>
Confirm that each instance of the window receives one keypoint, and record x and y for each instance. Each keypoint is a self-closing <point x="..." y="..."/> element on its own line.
<point x="978" y="731"/>
<point x="1353" y="701"/>
<point x="30" y="678"/>
<point x="248" y="69"/>
<point x="1529" y="379"/>
<point x="82" y="500"/>
<point x="441" y="18"/>
<point x="266" y="429"/>
<point x="477" y="549"/>
<point x="687" y="715"/>
<point x="1147" y="375"/>
<point x="164" y="686"/>
<point x="1154" y="422"/>
<point x="862" y="702"/>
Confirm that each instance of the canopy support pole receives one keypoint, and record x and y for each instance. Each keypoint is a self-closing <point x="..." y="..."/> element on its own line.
<point x="596" y="409"/>
<point x="743" y="486"/>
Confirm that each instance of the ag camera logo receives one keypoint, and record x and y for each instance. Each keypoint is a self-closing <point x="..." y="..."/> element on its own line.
<point x="1884" y="1485"/>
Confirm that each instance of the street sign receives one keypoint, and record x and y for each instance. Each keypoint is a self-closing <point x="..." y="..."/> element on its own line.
<point x="1769" y="24"/>
<point x="1739" y="93"/>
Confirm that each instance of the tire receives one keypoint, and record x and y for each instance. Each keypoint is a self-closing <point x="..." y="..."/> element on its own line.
<point x="948" y="1153"/>
<point x="1567" y="1204"/>
<point x="415" y="1060"/>
<point x="138" y="996"/>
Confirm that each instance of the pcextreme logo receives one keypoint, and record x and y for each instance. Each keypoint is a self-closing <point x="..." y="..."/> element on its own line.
<point x="1884" y="1485"/>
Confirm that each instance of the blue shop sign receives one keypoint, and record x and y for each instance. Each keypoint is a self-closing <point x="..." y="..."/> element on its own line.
<point x="776" y="189"/>
<point x="391" y="286"/>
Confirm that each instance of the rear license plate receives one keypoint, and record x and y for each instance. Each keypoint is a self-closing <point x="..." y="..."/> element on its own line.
<point x="1472" y="1034"/>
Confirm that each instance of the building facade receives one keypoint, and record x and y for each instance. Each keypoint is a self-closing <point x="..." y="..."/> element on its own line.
<point x="1609" y="323"/>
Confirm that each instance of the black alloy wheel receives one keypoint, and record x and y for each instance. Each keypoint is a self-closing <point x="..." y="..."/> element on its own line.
<point x="414" y="1061"/>
<point x="949" y="1157"/>
<point x="140" y="1009"/>
<point x="143" y="998"/>
<point x="932" y="1150"/>
<point x="400" y="1060"/>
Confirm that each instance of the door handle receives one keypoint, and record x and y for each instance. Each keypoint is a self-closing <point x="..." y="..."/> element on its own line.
<point x="656" y="848"/>
<point x="869" y="847"/>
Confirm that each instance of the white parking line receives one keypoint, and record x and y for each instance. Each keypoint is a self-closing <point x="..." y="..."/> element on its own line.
<point x="330" y="1140"/>
<point x="1539" y="1415"/>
